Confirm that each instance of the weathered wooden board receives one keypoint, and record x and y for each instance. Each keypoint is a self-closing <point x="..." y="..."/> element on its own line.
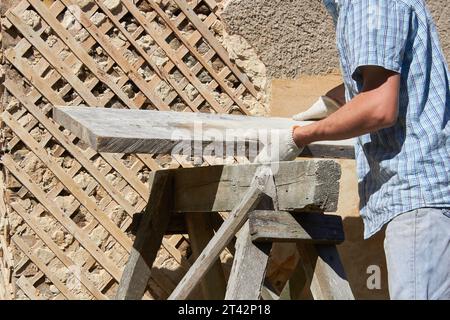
<point x="199" y="225"/>
<point x="324" y="272"/>
<point x="148" y="239"/>
<point x="249" y="267"/>
<point x="299" y="185"/>
<point x="282" y="226"/>
<point x="159" y="132"/>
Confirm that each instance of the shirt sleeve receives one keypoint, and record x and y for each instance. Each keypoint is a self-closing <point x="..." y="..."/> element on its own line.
<point x="376" y="33"/>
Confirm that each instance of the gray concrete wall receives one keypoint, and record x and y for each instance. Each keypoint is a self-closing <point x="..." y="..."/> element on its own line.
<point x="296" y="37"/>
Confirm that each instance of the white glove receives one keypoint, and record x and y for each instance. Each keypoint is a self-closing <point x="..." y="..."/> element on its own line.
<point x="322" y="108"/>
<point x="279" y="147"/>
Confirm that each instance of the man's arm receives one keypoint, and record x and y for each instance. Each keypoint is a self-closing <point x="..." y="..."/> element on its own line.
<point x="375" y="108"/>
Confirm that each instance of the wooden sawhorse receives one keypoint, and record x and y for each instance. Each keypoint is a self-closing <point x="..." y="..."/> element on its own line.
<point x="281" y="199"/>
<point x="285" y="187"/>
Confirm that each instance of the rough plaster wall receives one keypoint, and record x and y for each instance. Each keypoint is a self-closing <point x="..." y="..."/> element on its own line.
<point x="297" y="37"/>
<point x="244" y="55"/>
<point x="291" y="37"/>
<point x="440" y="10"/>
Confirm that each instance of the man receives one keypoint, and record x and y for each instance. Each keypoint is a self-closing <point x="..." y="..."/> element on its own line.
<point x="398" y="105"/>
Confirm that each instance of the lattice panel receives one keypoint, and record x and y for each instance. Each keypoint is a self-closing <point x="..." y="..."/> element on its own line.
<point x="71" y="209"/>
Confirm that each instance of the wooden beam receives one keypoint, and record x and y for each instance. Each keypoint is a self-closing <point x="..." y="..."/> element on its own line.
<point x="297" y="287"/>
<point x="200" y="229"/>
<point x="249" y="267"/>
<point x="281" y="226"/>
<point x="160" y="132"/>
<point x="324" y="272"/>
<point x="304" y="184"/>
<point x="148" y="239"/>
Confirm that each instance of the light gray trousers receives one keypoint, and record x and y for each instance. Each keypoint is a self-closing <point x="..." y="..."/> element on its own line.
<point x="417" y="247"/>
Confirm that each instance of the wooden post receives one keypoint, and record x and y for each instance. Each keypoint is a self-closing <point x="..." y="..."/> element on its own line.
<point x="297" y="287"/>
<point x="249" y="268"/>
<point x="282" y="226"/>
<point x="324" y="270"/>
<point x="200" y="231"/>
<point x="148" y="239"/>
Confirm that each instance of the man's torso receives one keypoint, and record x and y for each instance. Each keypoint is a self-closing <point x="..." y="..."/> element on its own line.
<point x="407" y="166"/>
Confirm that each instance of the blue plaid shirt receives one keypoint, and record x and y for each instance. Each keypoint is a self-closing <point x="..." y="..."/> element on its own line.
<point x="407" y="166"/>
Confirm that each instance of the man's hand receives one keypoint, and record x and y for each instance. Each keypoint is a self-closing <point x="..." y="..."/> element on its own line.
<point x="321" y="109"/>
<point x="279" y="147"/>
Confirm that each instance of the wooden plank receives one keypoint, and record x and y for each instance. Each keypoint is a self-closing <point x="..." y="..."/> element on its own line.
<point x="148" y="239"/>
<point x="261" y="185"/>
<point x="282" y="226"/>
<point x="324" y="271"/>
<point x="147" y="131"/>
<point x="200" y="233"/>
<point x="41" y="265"/>
<point x="249" y="267"/>
<point x="304" y="184"/>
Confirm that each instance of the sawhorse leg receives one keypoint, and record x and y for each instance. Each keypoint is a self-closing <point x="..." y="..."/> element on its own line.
<point x="149" y="237"/>
<point x="200" y="231"/>
<point x="324" y="272"/>
<point x="249" y="267"/>
<point x="250" y="261"/>
<point x="316" y="236"/>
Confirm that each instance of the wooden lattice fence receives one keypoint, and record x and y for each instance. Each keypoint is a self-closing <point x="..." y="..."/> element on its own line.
<point x="69" y="210"/>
